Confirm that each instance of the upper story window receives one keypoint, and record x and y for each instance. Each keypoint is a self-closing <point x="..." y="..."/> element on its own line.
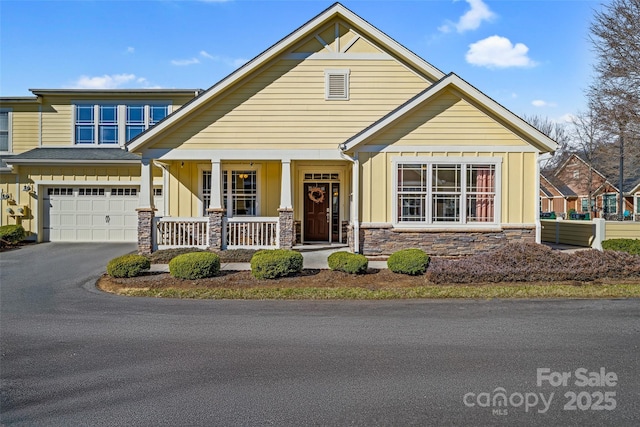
<point x="336" y="84"/>
<point x="5" y="130"/>
<point x="115" y="123"/>
<point x="432" y="192"/>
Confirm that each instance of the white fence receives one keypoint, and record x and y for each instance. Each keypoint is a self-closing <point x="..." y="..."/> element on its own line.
<point x="182" y="232"/>
<point x="238" y="233"/>
<point x="251" y="233"/>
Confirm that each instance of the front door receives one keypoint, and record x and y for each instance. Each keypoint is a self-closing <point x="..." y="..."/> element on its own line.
<point x="316" y="211"/>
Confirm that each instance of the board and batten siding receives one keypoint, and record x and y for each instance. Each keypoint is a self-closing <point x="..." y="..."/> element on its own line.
<point x="284" y="107"/>
<point x="59" y="176"/>
<point x="517" y="187"/>
<point x="184" y="193"/>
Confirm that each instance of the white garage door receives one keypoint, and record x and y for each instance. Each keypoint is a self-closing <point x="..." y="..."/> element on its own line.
<point x="96" y="214"/>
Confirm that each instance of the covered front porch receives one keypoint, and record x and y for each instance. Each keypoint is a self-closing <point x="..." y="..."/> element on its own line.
<point x="247" y="204"/>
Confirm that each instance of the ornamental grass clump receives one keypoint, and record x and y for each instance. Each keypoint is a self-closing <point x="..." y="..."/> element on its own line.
<point x="348" y="262"/>
<point x="195" y="265"/>
<point x="408" y="261"/>
<point x="531" y="262"/>
<point x="631" y="246"/>
<point x="128" y="266"/>
<point x="274" y="263"/>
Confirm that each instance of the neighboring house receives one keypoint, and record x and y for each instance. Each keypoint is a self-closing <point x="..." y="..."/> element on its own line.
<point x="576" y="182"/>
<point x="335" y="134"/>
<point x="555" y="196"/>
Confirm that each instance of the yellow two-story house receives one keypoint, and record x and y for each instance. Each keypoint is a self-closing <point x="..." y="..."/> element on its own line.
<point x="335" y="134"/>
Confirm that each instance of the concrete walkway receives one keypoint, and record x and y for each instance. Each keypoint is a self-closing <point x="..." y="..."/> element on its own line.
<point x="315" y="257"/>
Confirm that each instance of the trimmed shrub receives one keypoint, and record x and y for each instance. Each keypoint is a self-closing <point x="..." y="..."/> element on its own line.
<point x="631" y="246"/>
<point x="12" y="233"/>
<point x="274" y="263"/>
<point x="348" y="262"/>
<point x="128" y="266"/>
<point x="195" y="265"/>
<point x="163" y="256"/>
<point x="408" y="261"/>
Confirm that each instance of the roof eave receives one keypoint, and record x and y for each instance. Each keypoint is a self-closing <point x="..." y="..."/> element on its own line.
<point x="277" y="49"/>
<point x="545" y="143"/>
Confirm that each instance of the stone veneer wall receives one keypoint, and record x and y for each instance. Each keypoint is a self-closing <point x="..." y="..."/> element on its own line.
<point x="386" y="240"/>
<point x="145" y="230"/>
<point x="287" y="229"/>
<point x="215" y="227"/>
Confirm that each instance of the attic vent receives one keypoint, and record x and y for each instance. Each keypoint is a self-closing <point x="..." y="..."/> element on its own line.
<point x="336" y="84"/>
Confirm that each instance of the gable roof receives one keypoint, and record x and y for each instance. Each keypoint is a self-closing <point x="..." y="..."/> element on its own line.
<point x="574" y="155"/>
<point x="337" y="10"/>
<point x="540" y="140"/>
<point x="560" y="187"/>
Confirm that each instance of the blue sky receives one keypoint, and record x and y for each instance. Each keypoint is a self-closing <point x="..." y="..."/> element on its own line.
<point x="533" y="56"/>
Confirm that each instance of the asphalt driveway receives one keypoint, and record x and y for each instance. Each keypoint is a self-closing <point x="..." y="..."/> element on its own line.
<point x="71" y="355"/>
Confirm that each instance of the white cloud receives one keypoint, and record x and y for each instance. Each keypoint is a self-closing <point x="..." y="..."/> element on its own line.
<point x="131" y="49"/>
<point x="498" y="52"/>
<point x="472" y="19"/>
<point x="106" y="81"/>
<point x="231" y="62"/>
<point x="205" y="54"/>
<point x="541" y="103"/>
<point x="185" y="62"/>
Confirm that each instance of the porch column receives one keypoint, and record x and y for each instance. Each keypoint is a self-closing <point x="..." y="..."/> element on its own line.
<point x="285" y="186"/>
<point x="146" y="211"/>
<point x="285" y="212"/>
<point x="215" y="210"/>
<point x="355" y="203"/>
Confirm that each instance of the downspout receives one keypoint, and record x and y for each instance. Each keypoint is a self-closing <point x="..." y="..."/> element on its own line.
<point x="355" y="196"/>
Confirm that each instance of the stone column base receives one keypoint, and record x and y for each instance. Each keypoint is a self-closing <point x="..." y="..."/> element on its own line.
<point x="145" y="230"/>
<point x="216" y="231"/>
<point x="286" y="227"/>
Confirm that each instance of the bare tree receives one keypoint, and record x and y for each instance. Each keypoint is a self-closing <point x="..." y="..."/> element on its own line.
<point x="615" y="93"/>
<point x="556" y="131"/>
<point x="589" y="136"/>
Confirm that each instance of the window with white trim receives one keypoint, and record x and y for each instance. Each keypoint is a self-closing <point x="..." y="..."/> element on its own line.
<point x="5" y="130"/>
<point x="445" y="192"/>
<point x="610" y="203"/>
<point x="336" y="84"/>
<point x="239" y="192"/>
<point x="115" y="123"/>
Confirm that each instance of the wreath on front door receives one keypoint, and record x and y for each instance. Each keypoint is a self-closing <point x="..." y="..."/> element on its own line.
<point x="316" y="194"/>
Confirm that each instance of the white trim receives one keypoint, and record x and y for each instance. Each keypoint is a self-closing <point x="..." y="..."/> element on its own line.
<point x="243" y="155"/>
<point x="343" y="73"/>
<point x="446" y="148"/>
<point x="546" y="143"/>
<point x="337" y="10"/>
<point x="538" y="206"/>
<point x="121" y="119"/>
<point x="48" y="162"/>
<point x="9" y="112"/>
<point x="463" y="161"/>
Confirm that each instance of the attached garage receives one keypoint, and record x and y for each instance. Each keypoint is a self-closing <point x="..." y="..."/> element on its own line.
<point x="90" y="214"/>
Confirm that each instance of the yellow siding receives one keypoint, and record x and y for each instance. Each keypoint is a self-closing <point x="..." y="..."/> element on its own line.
<point x="622" y="230"/>
<point x="283" y="107"/>
<point x="185" y="187"/>
<point x="448" y="120"/>
<point x="517" y="190"/>
<point x="57" y="113"/>
<point x="24" y="125"/>
<point x="41" y="176"/>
